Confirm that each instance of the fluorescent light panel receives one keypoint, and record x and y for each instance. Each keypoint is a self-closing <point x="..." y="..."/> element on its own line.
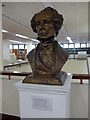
<point x="22" y="36"/>
<point x="34" y="40"/>
<point x="69" y="39"/>
<point x="5" y="31"/>
<point x="17" y="42"/>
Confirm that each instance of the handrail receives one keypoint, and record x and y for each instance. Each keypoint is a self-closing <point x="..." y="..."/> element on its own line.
<point x="15" y="64"/>
<point x="81" y="77"/>
<point x="15" y="73"/>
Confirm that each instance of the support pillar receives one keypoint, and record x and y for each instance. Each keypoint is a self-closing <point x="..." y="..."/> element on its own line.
<point x="1" y="67"/>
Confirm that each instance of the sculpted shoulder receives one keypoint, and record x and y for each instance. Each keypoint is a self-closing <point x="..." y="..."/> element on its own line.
<point x="60" y="51"/>
<point x="31" y="54"/>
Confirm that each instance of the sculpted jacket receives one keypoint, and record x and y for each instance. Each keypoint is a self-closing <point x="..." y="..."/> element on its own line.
<point x="47" y="60"/>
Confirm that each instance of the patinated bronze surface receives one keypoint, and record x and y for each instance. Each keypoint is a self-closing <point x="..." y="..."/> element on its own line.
<point x="48" y="58"/>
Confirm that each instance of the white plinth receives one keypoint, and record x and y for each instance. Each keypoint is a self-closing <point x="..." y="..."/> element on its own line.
<point x="44" y="101"/>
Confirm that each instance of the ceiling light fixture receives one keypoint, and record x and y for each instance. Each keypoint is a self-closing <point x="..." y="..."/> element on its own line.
<point x="22" y="36"/>
<point x="14" y="41"/>
<point x="5" y="31"/>
<point x="33" y="39"/>
<point x="69" y="39"/>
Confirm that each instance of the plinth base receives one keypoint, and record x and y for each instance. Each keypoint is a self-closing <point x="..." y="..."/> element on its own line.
<point x="59" y="80"/>
<point x="44" y="101"/>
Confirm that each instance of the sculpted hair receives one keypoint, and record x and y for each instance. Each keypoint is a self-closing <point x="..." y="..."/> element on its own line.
<point x="57" y="19"/>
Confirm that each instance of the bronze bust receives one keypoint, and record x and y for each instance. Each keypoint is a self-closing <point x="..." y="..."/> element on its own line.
<point x="48" y="58"/>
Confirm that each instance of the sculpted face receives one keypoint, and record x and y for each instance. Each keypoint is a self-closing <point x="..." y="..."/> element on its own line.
<point x="44" y="25"/>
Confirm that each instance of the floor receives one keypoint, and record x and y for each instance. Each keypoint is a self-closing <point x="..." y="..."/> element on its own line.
<point x="8" y="117"/>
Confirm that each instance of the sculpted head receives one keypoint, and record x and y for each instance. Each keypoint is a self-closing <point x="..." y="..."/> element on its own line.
<point x="48" y="58"/>
<point x="47" y="23"/>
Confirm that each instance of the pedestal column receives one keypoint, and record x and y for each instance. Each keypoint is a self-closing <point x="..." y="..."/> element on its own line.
<point x="44" y="101"/>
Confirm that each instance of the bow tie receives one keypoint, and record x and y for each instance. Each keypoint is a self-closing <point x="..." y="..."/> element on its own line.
<point x="45" y="47"/>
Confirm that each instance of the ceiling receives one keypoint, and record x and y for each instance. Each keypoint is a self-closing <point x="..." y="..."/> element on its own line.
<point x="16" y="18"/>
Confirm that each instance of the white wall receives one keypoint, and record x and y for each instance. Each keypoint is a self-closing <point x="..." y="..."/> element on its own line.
<point x="29" y="46"/>
<point x="88" y="44"/>
<point x="6" y="51"/>
<point x="10" y="98"/>
<point x="88" y="60"/>
<point x="1" y="68"/>
<point x="76" y="66"/>
<point x="79" y="101"/>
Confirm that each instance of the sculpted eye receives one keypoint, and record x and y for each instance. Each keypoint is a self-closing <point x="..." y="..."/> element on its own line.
<point x="46" y="21"/>
<point x="38" y="23"/>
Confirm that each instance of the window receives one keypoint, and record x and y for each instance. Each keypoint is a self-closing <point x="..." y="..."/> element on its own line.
<point x="65" y="45"/>
<point x="77" y="45"/>
<point x="15" y="46"/>
<point x="21" y="46"/>
<point x="83" y="45"/>
<point x="10" y="47"/>
<point x="71" y="45"/>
